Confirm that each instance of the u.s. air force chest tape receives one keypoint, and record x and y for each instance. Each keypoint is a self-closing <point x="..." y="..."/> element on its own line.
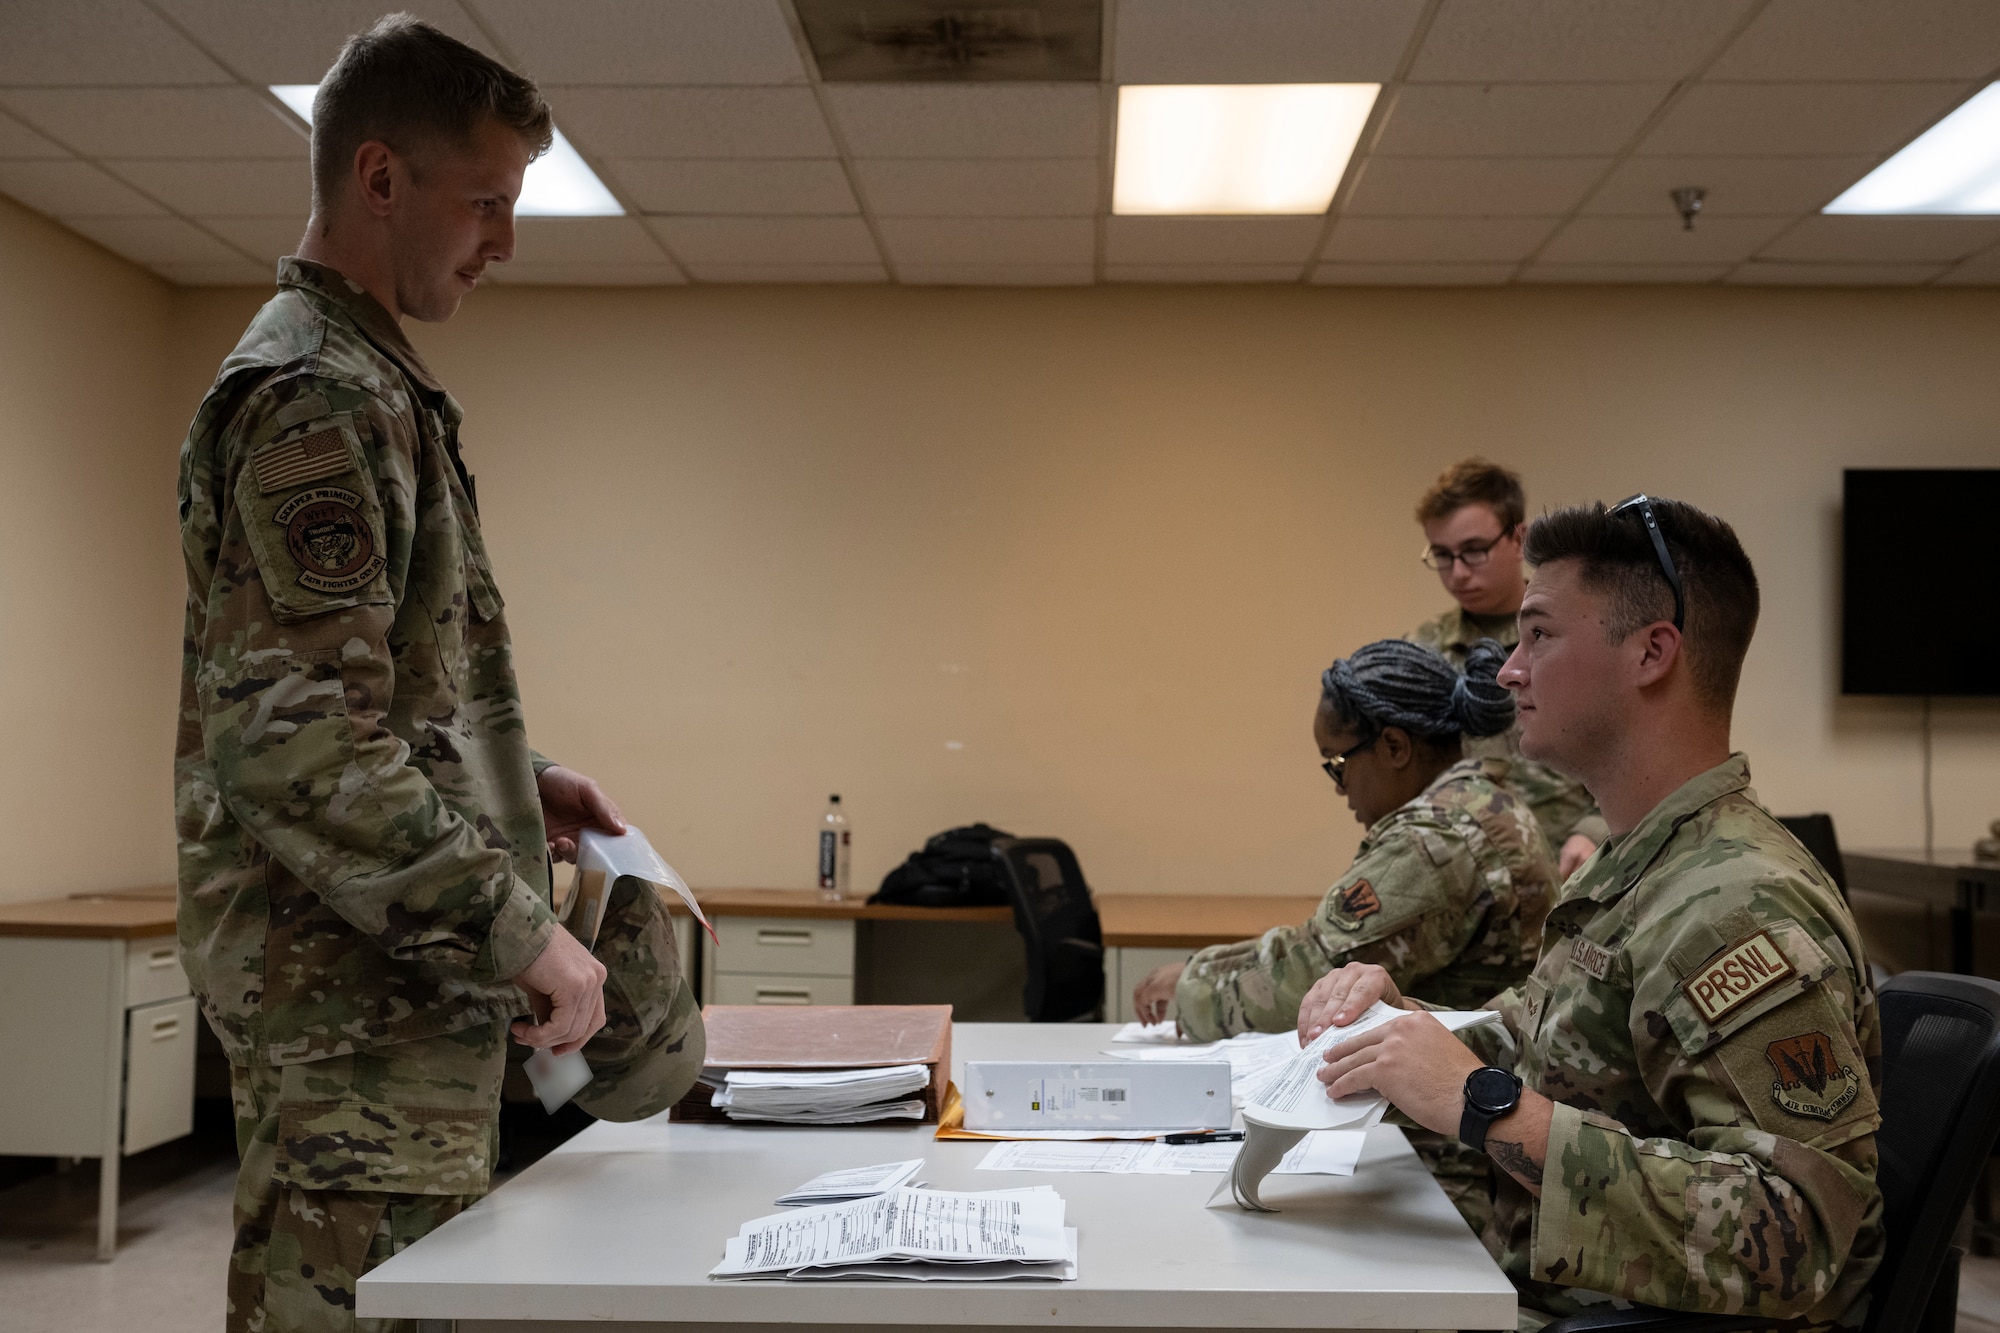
<point x="311" y="514"/>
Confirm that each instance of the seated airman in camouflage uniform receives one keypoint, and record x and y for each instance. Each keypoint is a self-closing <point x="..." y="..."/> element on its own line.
<point x="364" y="834"/>
<point x="1473" y="518"/>
<point x="1447" y="890"/>
<point x="1680" y="1107"/>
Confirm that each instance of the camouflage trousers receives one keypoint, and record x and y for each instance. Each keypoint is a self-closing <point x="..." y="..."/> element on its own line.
<point x="347" y="1160"/>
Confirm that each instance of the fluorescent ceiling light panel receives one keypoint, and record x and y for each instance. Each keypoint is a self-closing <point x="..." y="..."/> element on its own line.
<point x="559" y="183"/>
<point x="1235" y="147"/>
<point x="1952" y="167"/>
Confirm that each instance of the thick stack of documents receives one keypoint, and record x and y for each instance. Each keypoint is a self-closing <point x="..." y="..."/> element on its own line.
<point x="822" y="1097"/>
<point x="911" y="1234"/>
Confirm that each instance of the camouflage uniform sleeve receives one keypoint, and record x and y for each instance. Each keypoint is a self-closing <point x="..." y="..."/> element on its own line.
<point x="1757" y="1207"/>
<point x="541" y="761"/>
<point x="1392" y="907"/>
<point x="297" y="675"/>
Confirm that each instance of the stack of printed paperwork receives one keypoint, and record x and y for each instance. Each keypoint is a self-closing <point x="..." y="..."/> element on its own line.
<point x="912" y="1235"/>
<point x="854" y="1182"/>
<point x="1251" y="1055"/>
<point x="822" y="1097"/>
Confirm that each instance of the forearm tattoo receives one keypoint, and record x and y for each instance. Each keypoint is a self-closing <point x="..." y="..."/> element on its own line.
<point x="1514" y="1159"/>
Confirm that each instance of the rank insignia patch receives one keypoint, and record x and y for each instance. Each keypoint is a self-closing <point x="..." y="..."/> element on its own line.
<point x="1735" y="976"/>
<point x="296" y="462"/>
<point x="1355" y="903"/>
<point x="329" y="536"/>
<point x="1811" y="1081"/>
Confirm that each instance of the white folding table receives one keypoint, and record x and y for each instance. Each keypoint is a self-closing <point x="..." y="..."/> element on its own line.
<point x="624" y="1221"/>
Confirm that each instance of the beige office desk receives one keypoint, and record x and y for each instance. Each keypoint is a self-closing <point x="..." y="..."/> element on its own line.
<point x="623" y="1222"/>
<point x="1947" y="878"/>
<point x="100" y="1035"/>
<point x="1142" y="931"/>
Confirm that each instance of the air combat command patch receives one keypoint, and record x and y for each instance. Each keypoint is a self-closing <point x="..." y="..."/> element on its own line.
<point x="330" y="538"/>
<point x="1354" y="904"/>
<point x="1811" y="1081"/>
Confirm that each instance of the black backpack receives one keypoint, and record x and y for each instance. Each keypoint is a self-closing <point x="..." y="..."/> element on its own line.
<point x="956" y="868"/>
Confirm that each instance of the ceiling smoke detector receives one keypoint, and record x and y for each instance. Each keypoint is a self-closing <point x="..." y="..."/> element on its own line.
<point x="954" y="41"/>
<point x="1687" y="200"/>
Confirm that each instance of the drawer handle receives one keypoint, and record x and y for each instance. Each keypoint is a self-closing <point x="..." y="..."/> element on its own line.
<point x="783" y="995"/>
<point x="159" y="959"/>
<point x="791" y="939"/>
<point x="166" y="1029"/>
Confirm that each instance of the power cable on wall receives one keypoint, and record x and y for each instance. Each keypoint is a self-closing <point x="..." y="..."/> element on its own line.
<point x="1929" y="815"/>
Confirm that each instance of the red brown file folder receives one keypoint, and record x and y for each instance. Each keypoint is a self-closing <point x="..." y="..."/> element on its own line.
<point x="858" y="1036"/>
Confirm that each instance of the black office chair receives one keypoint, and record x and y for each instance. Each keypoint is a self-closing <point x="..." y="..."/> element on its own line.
<point x="1940" y="1118"/>
<point x="1816" y="832"/>
<point x="1058" y="925"/>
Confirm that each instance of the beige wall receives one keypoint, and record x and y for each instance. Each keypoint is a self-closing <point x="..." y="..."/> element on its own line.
<point x="90" y="572"/>
<point x="1071" y="561"/>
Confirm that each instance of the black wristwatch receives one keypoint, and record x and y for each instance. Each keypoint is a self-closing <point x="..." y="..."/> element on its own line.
<point x="1489" y="1094"/>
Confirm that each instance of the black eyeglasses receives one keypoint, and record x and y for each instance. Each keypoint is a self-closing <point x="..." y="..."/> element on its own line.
<point x="1336" y="767"/>
<point x="1644" y="506"/>
<point x="1472" y="555"/>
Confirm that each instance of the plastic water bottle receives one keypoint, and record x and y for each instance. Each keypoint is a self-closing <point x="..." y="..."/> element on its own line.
<point x="836" y="850"/>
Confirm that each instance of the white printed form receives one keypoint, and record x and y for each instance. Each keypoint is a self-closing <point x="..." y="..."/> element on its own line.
<point x="907" y="1225"/>
<point x="1294" y="1098"/>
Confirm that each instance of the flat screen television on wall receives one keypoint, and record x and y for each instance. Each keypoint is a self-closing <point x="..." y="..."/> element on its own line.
<point x="1920" y="601"/>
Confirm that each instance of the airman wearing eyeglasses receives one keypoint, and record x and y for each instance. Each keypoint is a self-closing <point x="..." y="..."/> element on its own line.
<point x="1473" y="519"/>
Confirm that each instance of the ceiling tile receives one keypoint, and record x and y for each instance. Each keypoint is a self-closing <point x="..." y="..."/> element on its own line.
<point x="1797" y="119"/>
<point x="1203" y="273"/>
<point x="766" y="241"/>
<point x="584" y="241"/>
<point x="1005" y="187"/>
<point x="1436" y="240"/>
<point x="1982" y="270"/>
<point x="1858" y="240"/>
<point x="245" y="188"/>
<point x="1261" y="41"/>
<point x="18" y="141"/>
<point x="656" y="274"/>
<point x="714" y="185"/>
<point x="989" y="240"/>
<point x="96" y="42"/>
<point x="1866" y="39"/>
<point x="1472" y="186"/>
<point x="1659" y="240"/>
<point x="295" y="41"/>
<point x="796" y="273"/>
<point x="1766" y="274"/>
<point x="73" y="189"/>
<point x="967" y="120"/>
<point x="269" y="239"/>
<point x="1411" y="275"/>
<point x="1157" y="240"/>
<point x="230" y="273"/>
<point x="693" y="122"/>
<point x="156" y="240"/>
<point x="1737" y="186"/>
<point x="158" y="122"/>
<point x="648" y="41"/>
<point x="995" y="275"/>
<point x="1478" y="41"/>
<point x="1517" y="120"/>
<point x="1648" y="274"/>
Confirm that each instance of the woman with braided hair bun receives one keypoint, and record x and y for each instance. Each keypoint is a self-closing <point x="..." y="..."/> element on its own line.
<point x="1447" y="890"/>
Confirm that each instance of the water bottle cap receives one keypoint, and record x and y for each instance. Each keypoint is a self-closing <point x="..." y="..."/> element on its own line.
<point x="835" y="798"/>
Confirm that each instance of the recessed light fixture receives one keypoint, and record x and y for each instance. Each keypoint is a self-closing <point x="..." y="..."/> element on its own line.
<point x="1235" y="148"/>
<point x="559" y="183"/>
<point x="1952" y="167"/>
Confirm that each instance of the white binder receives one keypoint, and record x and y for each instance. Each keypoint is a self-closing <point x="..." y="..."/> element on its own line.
<point x="1110" y="1095"/>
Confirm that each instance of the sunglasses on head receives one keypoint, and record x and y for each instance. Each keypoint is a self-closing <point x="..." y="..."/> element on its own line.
<point x="1642" y="505"/>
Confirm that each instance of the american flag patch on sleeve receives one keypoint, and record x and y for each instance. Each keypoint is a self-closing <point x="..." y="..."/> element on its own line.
<point x="323" y="453"/>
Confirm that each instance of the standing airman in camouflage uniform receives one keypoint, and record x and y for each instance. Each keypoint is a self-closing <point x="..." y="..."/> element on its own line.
<point x="1473" y="518"/>
<point x="1698" y="1047"/>
<point x="364" y="833"/>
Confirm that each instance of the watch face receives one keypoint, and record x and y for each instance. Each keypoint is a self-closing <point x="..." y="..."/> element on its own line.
<point x="1492" y="1089"/>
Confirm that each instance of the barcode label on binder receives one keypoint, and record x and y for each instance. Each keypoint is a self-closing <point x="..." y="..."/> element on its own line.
<point x="1067" y="1096"/>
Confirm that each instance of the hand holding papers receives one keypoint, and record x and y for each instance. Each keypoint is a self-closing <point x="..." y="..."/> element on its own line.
<point x="925" y="1235"/>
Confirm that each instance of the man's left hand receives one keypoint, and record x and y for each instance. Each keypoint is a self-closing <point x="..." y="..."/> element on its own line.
<point x="1576" y="849"/>
<point x="572" y="803"/>
<point x="1414" y="1061"/>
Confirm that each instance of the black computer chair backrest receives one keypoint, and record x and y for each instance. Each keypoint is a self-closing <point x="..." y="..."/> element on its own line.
<point x="1816" y="832"/>
<point x="1940" y="1118"/>
<point x="1059" y="930"/>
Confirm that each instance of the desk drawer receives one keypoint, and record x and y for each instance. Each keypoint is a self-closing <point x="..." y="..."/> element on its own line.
<point x="732" y="988"/>
<point x="153" y="970"/>
<point x="784" y="946"/>
<point x="159" y="1072"/>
